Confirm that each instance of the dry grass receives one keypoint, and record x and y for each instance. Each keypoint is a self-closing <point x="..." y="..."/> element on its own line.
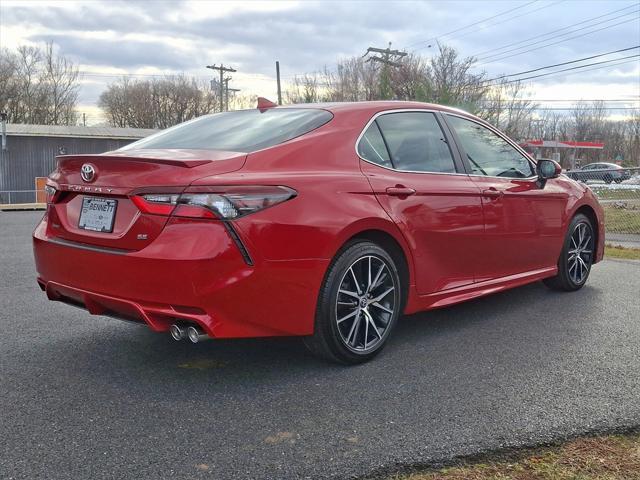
<point x="621" y="252"/>
<point x="613" y="457"/>
<point x="621" y="220"/>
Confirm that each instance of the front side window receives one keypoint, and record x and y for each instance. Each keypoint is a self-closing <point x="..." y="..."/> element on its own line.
<point x="240" y="131"/>
<point x="488" y="153"/>
<point x="416" y="142"/>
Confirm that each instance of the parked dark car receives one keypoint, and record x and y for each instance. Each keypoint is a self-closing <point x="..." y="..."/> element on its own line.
<point x="607" y="172"/>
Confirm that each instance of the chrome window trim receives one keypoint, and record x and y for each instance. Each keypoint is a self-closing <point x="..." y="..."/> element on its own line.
<point x="402" y="110"/>
<point x="502" y="136"/>
<point x="443" y="113"/>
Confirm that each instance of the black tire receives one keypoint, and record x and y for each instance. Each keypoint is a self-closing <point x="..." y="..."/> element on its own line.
<point x="608" y="178"/>
<point x="619" y="180"/>
<point x="335" y="308"/>
<point x="567" y="278"/>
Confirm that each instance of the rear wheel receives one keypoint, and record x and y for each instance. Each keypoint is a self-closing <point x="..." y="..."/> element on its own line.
<point x="358" y="306"/>
<point x="608" y="178"/>
<point x="576" y="258"/>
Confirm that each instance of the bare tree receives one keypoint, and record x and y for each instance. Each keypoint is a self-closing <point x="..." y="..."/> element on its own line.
<point x="38" y="86"/>
<point x="60" y="85"/>
<point x="305" y="89"/>
<point x="505" y="107"/>
<point x="157" y="103"/>
<point x="445" y="78"/>
<point x="450" y="81"/>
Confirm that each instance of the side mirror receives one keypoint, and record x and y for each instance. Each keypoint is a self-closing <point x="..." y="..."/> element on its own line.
<point x="547" y="169"/>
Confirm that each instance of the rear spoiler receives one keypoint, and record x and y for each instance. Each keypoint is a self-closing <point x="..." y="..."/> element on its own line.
<point x="176" y="157"/>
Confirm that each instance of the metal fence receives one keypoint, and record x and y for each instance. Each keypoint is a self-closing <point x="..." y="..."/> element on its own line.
<point x="619" y="193"/>
<point x="14" y="197"/>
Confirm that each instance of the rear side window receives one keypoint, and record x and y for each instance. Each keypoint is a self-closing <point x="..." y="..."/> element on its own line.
<point x="239" y="131"/>
<point x="372" y="147"/>
<point x="416" y="142"/>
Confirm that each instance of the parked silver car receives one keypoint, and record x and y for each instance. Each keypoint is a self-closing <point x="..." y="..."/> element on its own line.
<point x="607" y="172"/>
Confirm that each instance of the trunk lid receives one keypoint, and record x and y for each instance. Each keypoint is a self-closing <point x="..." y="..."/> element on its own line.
<point x="116" y="177"/>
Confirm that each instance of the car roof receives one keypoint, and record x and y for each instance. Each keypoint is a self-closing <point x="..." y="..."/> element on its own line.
<point x="376" y="106"/>
<point x="602" y="163"/>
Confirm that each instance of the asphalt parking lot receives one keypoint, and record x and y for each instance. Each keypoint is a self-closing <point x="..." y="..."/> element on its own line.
<point x="91" y="397"/>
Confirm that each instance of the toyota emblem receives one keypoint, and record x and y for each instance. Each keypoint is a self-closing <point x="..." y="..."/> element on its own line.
<point x="88" y="172"/>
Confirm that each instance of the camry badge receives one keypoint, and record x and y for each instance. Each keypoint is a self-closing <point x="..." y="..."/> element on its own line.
<point x="88" y="172"/>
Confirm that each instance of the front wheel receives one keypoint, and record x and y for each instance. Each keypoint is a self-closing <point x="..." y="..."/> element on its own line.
<point x="576" y="258"/>
<point x="358" y="306"/>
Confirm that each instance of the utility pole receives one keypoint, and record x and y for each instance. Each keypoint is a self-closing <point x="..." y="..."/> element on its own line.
<point x="278" y="80"/>
<point x="222" y="69"/>
<point x="388" y="56"/>
<point x="226" y="92"/>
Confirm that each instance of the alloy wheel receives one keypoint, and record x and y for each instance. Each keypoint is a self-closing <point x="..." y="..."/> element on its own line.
<point x="366" y="303"/>
<point x="580" y="253"/>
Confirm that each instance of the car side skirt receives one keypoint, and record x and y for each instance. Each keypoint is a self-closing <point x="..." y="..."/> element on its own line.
<point x="452" y="296"/>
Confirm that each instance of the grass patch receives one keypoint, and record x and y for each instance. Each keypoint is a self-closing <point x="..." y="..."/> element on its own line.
<point x="619" y="220"/>
<point x="611" y="457"/>
<point x="605" y="193"/>
<point x="613" y="251"/>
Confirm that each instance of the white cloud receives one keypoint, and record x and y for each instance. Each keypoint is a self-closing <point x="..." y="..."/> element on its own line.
<point x="155" y="37"/>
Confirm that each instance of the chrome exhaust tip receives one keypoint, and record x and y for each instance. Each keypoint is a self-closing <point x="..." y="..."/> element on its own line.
<point x="177" y="332"/>
<point x="195" y="334"/>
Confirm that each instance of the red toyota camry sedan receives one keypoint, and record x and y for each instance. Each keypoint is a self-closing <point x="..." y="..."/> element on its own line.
<point x="326" y="221"/>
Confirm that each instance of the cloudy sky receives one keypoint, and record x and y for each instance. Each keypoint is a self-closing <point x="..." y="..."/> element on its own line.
<point x="110" y="38"/>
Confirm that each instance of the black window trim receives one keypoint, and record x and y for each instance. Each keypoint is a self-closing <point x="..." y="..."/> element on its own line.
<point x="455" y="153"/>
<point x="463" y="153"/>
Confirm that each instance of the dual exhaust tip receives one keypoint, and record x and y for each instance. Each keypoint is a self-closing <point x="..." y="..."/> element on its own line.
<point x="193" y="333"/>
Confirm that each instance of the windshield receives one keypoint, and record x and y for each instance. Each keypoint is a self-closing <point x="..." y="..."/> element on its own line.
<point x="240" y="131"/>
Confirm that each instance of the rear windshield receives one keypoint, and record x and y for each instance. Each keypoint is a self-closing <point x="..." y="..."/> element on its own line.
<point x="239" y="131"/>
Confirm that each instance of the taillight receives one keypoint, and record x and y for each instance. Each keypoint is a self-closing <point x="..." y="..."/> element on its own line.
<point x="156" y="203"/>
<point x="53" y="195"/>
<point x="225" y="202"/>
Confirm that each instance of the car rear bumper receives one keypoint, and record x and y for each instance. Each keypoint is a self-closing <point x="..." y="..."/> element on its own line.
<point x="192" y="272"/>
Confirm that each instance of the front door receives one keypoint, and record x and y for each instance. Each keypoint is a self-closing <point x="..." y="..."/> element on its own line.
<point x="417" y="179"/>
<point x="523" y="222"/>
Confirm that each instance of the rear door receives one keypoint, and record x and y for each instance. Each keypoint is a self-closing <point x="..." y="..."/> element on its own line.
<point x="523" y="222"/>
<point x="417" y="178"/>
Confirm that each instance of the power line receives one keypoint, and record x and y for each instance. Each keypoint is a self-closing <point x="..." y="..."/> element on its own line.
<point x="579" y="67"/>
<point x="162" y="75"/>
<point x="566" y="100"/>
<point x="472" y="24"/>
<point x="564" y="63"/>
<point x="555" y="43"/>
<point x="501" y="22"/>
<point x="119" y="75"/>
<point x="560" y="108"/>
<point x="480" y="54"/>
<point x="560" y="35"/>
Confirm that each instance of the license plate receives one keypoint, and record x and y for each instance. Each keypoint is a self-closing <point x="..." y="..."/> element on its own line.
<point x="98" y="214"/>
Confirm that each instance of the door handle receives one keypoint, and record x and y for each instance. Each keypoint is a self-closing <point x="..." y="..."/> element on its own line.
<point x="400" y="191"/>
<point x="492" y="192"/>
